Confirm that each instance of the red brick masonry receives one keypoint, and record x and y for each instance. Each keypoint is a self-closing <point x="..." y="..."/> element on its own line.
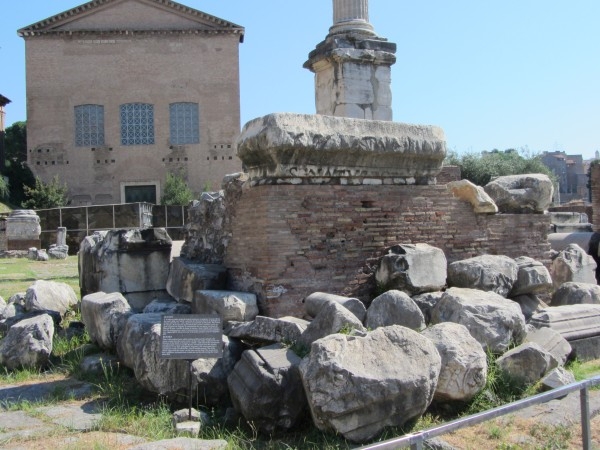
<point x="289" y="241"/>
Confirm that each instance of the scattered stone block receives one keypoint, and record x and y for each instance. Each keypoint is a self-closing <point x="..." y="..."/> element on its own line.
<point x="332" y="318"/>
<point x="426" y="302"/>
<point x="412" y="268"/>
<point x="268" y="330"/>
<point x="28" y="343"/>
<point x="465" y="190"/>
<point x="573" y="264"/>
<point x="556" y="378"/>
<point x="266" y="388"/>
<point x="521" y="194"/>
<point x="188" y="428"/>
<point x="571" y="293"/>
<point x="487" y="273"/>
<point x="315" y="301"/>
<point x="167" y="306"/>
<point x="527" y="363"/>
<point x="105" y="317"/>
<point x="494" y="321"/>
<point x="183" y="443"/>
<point x="464" y="363"/>
<point x="394" y="308"/>
<point x="230" y="305"/>
<point x="552" y="342"/>
<point x="357" y="386"/>
<point x="50" y="296"/>
<point x="37" y="255"/>
<point x="99" y="364"/>
<point x="530" y="304"/>
<point x="187" y="277"/>
<point x="532" y="277"/>
<point x="58" y="251"/>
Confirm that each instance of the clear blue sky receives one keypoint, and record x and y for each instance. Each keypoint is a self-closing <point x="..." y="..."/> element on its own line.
<point x="492" y="74"/>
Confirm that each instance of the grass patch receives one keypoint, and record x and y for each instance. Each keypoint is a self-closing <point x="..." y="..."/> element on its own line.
<point x="584" y="370"/>
<point x="17" y="274"/>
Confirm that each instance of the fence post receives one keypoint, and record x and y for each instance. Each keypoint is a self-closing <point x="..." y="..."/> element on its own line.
<point x="586" y="436"/>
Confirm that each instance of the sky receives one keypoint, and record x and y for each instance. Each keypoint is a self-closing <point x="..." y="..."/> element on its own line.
<point x="493" y="74"/>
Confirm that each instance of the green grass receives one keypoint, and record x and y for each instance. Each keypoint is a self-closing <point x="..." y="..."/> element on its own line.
<point x="17" y="274"/>
<point x="585" y="370"/>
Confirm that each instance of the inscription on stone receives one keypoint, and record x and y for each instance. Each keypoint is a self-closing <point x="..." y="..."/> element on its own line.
<point x="191" y="336"/>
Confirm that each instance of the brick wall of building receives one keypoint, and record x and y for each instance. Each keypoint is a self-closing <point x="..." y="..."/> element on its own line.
<point x="595" y="181"/>
<point x="290" y="241"/>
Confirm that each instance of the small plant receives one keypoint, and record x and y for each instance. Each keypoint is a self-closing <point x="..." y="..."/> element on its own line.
<point x="46" y="195"/>
<point x="495" y="432"/>
<point x="176" y="191"/>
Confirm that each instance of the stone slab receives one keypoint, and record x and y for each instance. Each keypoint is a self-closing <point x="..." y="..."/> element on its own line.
<point x="75" y="417"/>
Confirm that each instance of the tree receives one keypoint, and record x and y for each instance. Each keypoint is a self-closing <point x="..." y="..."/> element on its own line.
<point x="4" y="190"/>
<point x="481" y="168"/>
<point x="46" y="195"/>
<point x="176" y="191"/>
<point x="15" y="164"/>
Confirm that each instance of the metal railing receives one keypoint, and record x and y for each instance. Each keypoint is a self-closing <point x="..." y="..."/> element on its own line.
<point x="417" y="440"/>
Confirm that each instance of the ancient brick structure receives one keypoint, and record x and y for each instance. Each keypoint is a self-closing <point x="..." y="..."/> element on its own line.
<point x="121" y="92"/>
<point x="595" y="182"/>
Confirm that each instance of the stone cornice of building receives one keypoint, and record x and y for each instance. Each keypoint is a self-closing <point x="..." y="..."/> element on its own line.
<point x="3" y="100"/>
<point x="41" y="28"/>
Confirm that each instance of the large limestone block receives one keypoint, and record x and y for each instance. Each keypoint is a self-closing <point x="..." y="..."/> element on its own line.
<point x="187" y="277"/>
<point x="315" y="301"/>
<point x="490" y="318"/>
<point x="105" y="317"/>
<point x="465" y="190"/>
<point x="268" y="330"/>
<point x="556" y="378"/>
<point x="134" y="262"/>
<point x="527" y="363"/>
<point x="332" y="318"/>
<point x="573" y="322"/>
<point x="28" y="343"/>
<point x="50" y="296"/>
<point x="139" y="349"/>
<point x="573" y="264"/>
<point x="464" y="363"/>
<point x="532" y="277"/>
<point x="552" y="342"/>
<point x="167" y="306"/>
<point x="295" y="146"/>
<point x="394" y="308"/>
<point x="571" y="293"/>
<point x="487" y="273"/>
<point x="230" y="305"/>
<point x="266" y="388"/>
<point x="426" y="302"/>
<point x="530" y="304"/>
<point x="413" y="268"/>
<point x="357" y="386"/>
<point x="521" y="194"/>
<point x="23" y="225"/>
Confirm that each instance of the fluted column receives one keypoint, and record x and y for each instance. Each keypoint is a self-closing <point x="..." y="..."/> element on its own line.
<point x="351" y="15"/>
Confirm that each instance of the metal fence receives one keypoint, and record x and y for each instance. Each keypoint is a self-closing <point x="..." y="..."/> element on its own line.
<point x="417" y="440"/>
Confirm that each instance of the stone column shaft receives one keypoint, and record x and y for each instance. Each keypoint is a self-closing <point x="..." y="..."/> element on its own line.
<point x="344" y="10"/>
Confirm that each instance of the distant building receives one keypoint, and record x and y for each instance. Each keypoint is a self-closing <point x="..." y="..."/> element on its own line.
<point x="571" y="173"/>
<point x="3" y="102"/>
<point x="121" y="92"/>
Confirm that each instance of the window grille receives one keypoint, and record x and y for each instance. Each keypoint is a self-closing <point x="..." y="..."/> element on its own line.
<point x="184" y="123"/>
<point x="89" y="125"/>
<point x="137" y="124"/>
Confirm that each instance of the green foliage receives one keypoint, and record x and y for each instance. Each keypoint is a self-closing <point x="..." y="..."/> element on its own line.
<point x="481" y="168"/>
<point x="176" y="191"/>
<point x="4" y="190"/>
<point x="15" y="142"/>
<point x="46" y="195"/>
<point x="16" y="169"/>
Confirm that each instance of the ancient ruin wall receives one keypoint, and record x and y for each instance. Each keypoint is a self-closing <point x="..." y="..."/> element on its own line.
<point x="289" y="241"/>
<point x="595" y="182"/>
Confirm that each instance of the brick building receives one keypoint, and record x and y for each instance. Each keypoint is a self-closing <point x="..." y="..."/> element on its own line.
<point x="121" y="92"/>
<point x="571" y="173"/>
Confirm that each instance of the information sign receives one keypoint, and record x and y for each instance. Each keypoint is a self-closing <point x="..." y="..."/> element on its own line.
<point x="191" y="336"/>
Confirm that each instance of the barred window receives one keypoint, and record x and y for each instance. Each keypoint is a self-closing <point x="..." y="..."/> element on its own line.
<point x="137" y="124"/>
<point x="184" y="123"/>
<point x="89" y="125"/>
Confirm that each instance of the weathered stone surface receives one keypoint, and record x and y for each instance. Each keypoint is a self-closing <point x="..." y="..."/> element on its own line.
<point x="183" y="443"/>
<point x="187" y="277"/>
<point x="35" y="254"/>
<point x="521" y="194"/>
<point x="359" y="385"/>
<point x="209" y="375"/>
<point x="294" y="146"/>
<point x="412" y="268"/>
<point x="530" y="304"/>
<point x="556" y="378"/>
<point x="58" y="251"/>
<point x="487" y="273"/>
<point x="134" y="262"/>
<point x="167" y="306"/>
<point x="332" y="318"/>
<point x="268" y="330"/>
<point x="6" y="324"/>
<point x="394" y="308"/>
<point x="315" y="301"/>
<point x="99" y="364"/>
<point x="105" y="317"/>
<point x="230" y="305"/>
<point x="266" y="388"/>
<point x="573" y="264"/>
<point x="527" y="363"/>
<point x="552" y="342"/>
<point x="465" y="190"/>
<point x="464" y="363"/>
<point x="571" y="321"/>
<point x="490" y="318"/>
<point x="139" y="349"/>
<point x="571" y="293"/>
<point x="532" y="277"/>
<point x="50" y="296"/>
<point x="28" y="343"/>
<point x="426" y="302"/>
